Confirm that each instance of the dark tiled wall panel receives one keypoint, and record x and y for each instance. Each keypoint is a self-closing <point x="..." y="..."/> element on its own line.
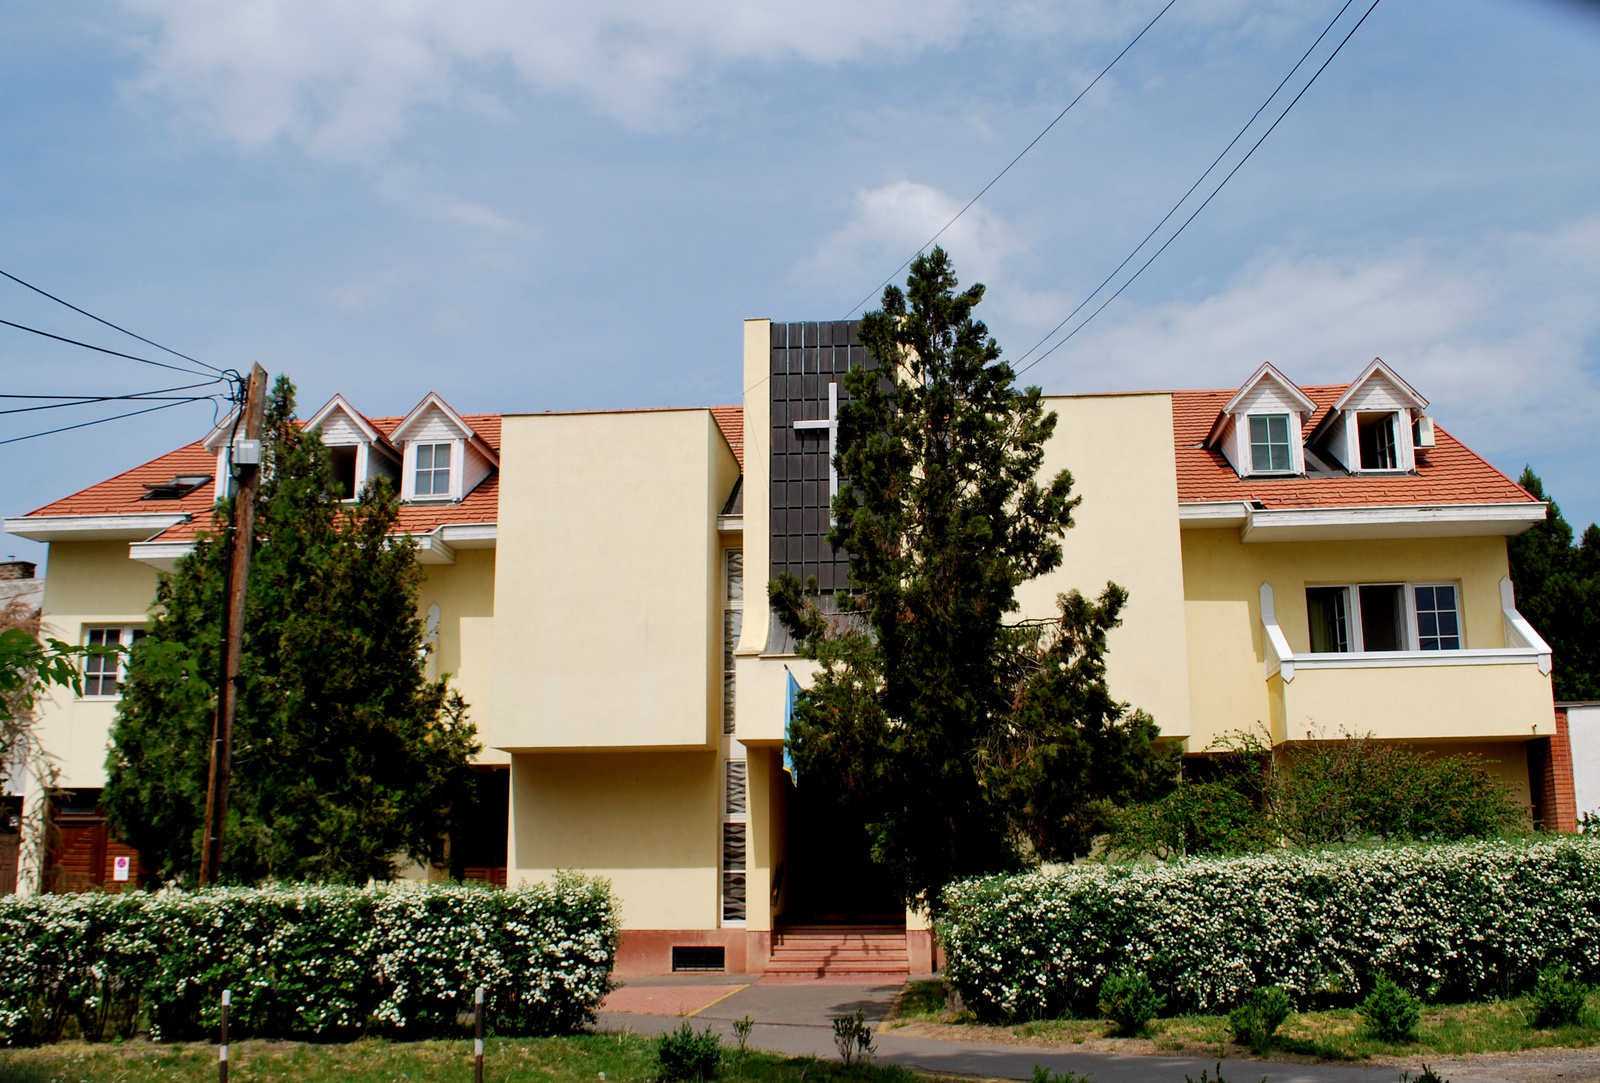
<point x="806" y="357"/>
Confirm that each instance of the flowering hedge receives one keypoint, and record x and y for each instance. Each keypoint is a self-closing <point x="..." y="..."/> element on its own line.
<point x="313" y="961"/>
<point x="1451" y="922"/>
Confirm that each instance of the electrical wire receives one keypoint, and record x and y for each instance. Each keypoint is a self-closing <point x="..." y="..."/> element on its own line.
<point x="103" y="420"/>
<point x="1254" y="147"/>
<point x="1014" y="161"/>
<point x="103" y="398"/>
<point x="1198" y="181"/>
<point x="102" y="349"/>
<point x="108" y="323"/>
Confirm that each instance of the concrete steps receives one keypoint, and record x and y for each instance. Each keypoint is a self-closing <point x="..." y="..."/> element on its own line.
<point x="829" y="950"/>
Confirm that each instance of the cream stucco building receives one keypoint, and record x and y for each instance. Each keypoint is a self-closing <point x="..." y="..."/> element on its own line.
<point x="1304" y="561"/>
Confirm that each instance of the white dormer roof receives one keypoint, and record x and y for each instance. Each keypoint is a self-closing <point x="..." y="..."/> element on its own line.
<point x="1288" y="396"/>
<point x="338" y="405"/>
<point x="432" y="406"/>
<point x="1378" y="387"/>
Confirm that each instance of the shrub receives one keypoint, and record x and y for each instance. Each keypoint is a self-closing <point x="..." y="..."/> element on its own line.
<point x="684" y="1054"/>
<point x="1127" y="999"/>
<point x="1257" y="1018"/>
<point x="852" y="1037"/>
<point x="1464" y="920"/>
<point x="305" y="960"/>
<point x="1556" y="999"/>
<point x="1391" y="1013"/>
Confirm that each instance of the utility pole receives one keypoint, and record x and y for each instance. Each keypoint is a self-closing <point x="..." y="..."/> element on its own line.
<point x="244" y="462"/>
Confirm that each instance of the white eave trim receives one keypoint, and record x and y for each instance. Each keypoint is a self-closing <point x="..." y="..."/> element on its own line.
<point x="470" y="535"/>
<point x="159" y="554"/>
<point x="730" y="524"/>
<point x="1336" y="524"/>
<point x="53" y="528"/>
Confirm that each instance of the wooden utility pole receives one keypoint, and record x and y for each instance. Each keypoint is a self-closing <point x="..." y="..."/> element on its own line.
<point x="244" y="460"/>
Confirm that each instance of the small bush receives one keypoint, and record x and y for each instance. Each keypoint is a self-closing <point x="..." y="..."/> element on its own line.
<point x="684" y="1054"/>
<point x="1257" y="1018"/>
<point x="1557" y="999"/>
<point x="1127" y="999"/>
<point x="1391" y="1013"/>
<point x="852" y="1037"/>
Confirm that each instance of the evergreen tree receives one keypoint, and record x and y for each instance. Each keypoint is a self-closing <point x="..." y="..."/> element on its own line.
<point x="345" y="754"/>
<point x="967" y="744"/>
<point x="1558" y="589"/>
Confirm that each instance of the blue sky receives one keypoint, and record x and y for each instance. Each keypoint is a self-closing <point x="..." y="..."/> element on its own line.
<point x="531" y="205"/>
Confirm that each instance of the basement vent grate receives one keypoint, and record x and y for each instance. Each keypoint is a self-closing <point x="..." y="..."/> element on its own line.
<point x="698" y="958"/>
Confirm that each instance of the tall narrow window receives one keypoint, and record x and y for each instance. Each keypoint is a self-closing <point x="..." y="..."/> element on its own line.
<point x="1438" y="620"/>
<point x="1269" y="443"/>
<point x="736" y="823"/>
<point x="1375" y="434"/>
<point x="433" y="470"/>
<point x="732" y="624"/>
<point x="1328" y="611"/>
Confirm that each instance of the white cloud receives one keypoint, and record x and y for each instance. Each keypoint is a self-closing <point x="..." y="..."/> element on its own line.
<point x="342" y="76"/>
<point x="895" y="220"/>
<point x="1500" y="338"/>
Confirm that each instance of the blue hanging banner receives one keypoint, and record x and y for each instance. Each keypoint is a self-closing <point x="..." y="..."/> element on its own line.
<point x="788" y="719"/>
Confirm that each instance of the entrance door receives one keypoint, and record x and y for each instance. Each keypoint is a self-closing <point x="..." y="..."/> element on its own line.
<point x="831" y="876"/>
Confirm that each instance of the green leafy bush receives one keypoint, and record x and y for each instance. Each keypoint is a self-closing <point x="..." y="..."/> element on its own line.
<point x="1127" y="999"/>
<point x="1390" y="1012"/>
<point x="684" y="1054"/>
<point x="1463" y="921"/>
<point x="1557" y="999"/>
<point x="852" y="1037"/>
<point x="305" y="960"/>
<point x="1258" y="1016"/>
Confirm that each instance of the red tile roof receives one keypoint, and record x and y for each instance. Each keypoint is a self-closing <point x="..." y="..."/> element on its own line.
<point x="1449" y="473"/>
<point x="121" y="495"/>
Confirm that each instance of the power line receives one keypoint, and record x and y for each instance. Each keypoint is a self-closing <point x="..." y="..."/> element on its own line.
<point x="151" y="397"/>
<point x="1198" y="181"/>
<point x="101" y="398"/>
<point x="1254" y="147"/>
<point x="108" y="323"/>
<point x="102" y="349"/>
<point x="103" y="420"/>
<point x="1009" y="164"/>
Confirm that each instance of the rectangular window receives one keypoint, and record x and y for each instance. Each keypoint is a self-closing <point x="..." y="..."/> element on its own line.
<point x="1438" y="619"/>
<point x="1384" y="617"/>
<point x="1269" y="443"/>
<point x="103" y="673"/>
<point x="735" y="826"/>
<point x="1375" y="435"/>
<point x="433" y="470"/>
<point x="1327" y="608"/>
<point x="732" y="624"/>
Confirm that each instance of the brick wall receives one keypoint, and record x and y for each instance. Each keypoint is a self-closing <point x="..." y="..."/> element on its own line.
<point x="1550" y="778"/>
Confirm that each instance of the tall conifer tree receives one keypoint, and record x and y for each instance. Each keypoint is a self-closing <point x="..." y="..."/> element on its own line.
<point x="1558" y="590"/>
<point x="968" y="742"/>
<point x="346" y="755"/>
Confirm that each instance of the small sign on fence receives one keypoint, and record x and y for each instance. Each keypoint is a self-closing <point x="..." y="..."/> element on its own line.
<point x="119" y="869"/>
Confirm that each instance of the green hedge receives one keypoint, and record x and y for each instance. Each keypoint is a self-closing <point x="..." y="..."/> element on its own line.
<point x="1449" y="922"/>
<point x="305" y="961"/>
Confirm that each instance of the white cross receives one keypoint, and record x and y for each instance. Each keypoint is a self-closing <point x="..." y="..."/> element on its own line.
<point x="832" y="425"/>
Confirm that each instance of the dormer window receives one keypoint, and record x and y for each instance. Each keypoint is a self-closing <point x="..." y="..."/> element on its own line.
<point x="1270" y="450"/>
<point x="1376" y="425"/>
<point x="433" y="470"/>
<point x="445" y="457"/>
<point x="1259" y="429"/>
<point x="1375" y="436"/>
<point x="357" y="451"/>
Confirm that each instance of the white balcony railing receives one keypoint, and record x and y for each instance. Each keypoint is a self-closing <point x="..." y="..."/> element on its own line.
<point x="1524" y="646"/>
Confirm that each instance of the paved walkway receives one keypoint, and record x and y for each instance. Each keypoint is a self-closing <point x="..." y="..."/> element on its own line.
<point x="794" y="1018"/>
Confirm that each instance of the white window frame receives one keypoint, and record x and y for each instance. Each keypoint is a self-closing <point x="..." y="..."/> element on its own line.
<point x="409" y="471"/>
<point x="1289" y="435"/>
<point x="1352" y="602"/>
<point x="125" y="634"/>
<point x="730" y="605"/>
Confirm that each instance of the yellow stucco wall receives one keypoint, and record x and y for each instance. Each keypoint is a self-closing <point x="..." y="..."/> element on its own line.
<point x="647" y="821"/>
<point x="1227" y="665"/>
<point x="757" y="484"/>
<point x="607" y="626"/>
<point x="1119" y="450"/>
<point x="88" y="583"/>
<point x="1415" y="703"/>
<point x="464" y="593"/>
